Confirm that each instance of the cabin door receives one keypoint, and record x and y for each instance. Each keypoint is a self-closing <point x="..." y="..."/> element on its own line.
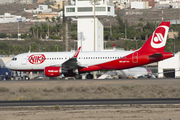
<point x="24" y="59"/>
<point x="135" y="57"/>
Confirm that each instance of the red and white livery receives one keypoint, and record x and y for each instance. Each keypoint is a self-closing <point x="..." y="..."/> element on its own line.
<point x="73" y="64"/>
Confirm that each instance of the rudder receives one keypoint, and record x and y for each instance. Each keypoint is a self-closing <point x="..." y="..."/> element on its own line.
<point x="157" y="41"/>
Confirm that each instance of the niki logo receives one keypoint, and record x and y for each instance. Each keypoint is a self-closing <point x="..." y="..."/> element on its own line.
<point x="158" y="39"/>
<point x="36" y="59"/>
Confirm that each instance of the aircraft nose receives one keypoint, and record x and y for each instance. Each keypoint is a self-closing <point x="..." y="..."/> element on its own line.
<point x="8" y="65"/>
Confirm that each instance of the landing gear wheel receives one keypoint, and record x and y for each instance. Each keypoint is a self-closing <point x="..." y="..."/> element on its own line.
<point x="26" y="78"/>
<point x="89" y="76"/>
<point x="78" y="76"/>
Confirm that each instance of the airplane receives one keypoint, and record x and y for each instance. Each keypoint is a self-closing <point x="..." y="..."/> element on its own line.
<point x="136" y="72"/>
<point x="72" y="64"/>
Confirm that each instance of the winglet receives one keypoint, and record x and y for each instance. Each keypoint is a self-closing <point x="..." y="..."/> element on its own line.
<point x="114" y="47"/>
<point x="77" y="52"/>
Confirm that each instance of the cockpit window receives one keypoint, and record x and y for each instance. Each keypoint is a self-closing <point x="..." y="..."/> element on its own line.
<point x="14" y="59"/>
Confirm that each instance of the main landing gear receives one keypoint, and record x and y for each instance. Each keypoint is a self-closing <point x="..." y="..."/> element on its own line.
<point x="78" y="76"/>
<point x="89" y="76"/>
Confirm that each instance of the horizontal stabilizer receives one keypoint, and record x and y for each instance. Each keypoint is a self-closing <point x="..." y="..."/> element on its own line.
<point x="155" y="56"/>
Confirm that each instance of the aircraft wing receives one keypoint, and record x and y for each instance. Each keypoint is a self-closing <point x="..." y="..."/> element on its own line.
<point x="72" y="62"/>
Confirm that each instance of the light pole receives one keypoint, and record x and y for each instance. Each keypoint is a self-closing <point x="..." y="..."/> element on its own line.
<point x="110" y="28"/>
<point x="57" y="48"/>
<point x="94" y="27"/>
<point x="136" y="44"/>
<point x="30" y="45"/>
<point x="174" y="44"/>
<point x="81" y="38"/>
<point x="18" y="29"/>
<point x="48" y="29"/>
<point x="44" y="49"/>
<point x="125" y="31"/>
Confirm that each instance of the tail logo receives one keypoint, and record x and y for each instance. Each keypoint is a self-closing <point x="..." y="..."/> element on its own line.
<point x="159" y="37"/>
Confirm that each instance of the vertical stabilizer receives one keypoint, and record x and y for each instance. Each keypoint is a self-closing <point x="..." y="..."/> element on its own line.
<point x="157" y="41"/>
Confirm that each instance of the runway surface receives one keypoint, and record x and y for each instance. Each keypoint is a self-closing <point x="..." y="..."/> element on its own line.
<point x="90" y="102"/>
<point x="50" y="84"/>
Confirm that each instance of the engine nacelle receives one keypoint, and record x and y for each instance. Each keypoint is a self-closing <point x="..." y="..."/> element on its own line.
<point x="52" y="71"/>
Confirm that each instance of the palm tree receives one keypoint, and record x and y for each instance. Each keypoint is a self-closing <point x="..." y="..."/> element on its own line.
<point x="45" y="28"/>
<point x="58" y="6"/>
<point x="34" y="47"/>
<point x="40" y="31"/>
<point x="12" y="49"/>
<point x="47" y="19"/>
<point x="58" y="19"/>
<point x="53" y="19"/>
<point x="19" y="49"/>
<point x="37" y="27"/>
<point x="59" y="27"/>
<point x="31" y="29"/>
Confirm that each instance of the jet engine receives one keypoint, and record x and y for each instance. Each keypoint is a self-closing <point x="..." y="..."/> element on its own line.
<point x="52" y="71"/>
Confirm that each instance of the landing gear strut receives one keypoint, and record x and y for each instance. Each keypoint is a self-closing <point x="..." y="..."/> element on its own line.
<point x="89" y="76"/>
<point x="78" y="76"/>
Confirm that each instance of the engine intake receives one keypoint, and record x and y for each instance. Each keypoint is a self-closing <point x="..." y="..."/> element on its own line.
<point x="52" y="71"/>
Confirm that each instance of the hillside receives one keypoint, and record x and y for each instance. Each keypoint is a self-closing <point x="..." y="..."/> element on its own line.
<point x="132" y="18"/>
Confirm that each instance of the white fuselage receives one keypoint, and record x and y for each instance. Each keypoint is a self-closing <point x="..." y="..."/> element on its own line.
<point x="57" y="58"/>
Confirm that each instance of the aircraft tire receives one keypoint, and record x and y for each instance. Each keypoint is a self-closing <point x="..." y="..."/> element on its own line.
<point x="89" y="76"/>
<point x="26" y="78"/>
<point x="78" y="76"/>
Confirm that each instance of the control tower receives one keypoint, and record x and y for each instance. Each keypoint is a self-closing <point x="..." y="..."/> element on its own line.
<point x="90" y="21"/>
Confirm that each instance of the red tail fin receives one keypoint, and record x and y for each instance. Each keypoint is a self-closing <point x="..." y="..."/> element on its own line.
<point x="157" y="41"/>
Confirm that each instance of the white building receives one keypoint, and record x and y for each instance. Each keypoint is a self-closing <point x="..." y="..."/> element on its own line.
<point x="40" y="9"/>
<point x="7" y="1"/>
<point x="138" y="5"/>
<point x="8" y="18"/>
<point x="175" y="3"/>
<point x="170" y="64"/>
<point x="16" y="1"/>
<point x="90" y="27"/>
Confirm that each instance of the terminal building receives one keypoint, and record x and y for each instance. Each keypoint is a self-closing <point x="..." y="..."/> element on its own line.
<point x="170" y="67"/>
<point x="8" y="18"/>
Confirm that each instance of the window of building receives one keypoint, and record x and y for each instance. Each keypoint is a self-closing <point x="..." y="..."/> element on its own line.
<point x="85" y="9"/>
<point x="100" y="9"/>
<point x="109" y="9"/>
<point x="70" y="9"/>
